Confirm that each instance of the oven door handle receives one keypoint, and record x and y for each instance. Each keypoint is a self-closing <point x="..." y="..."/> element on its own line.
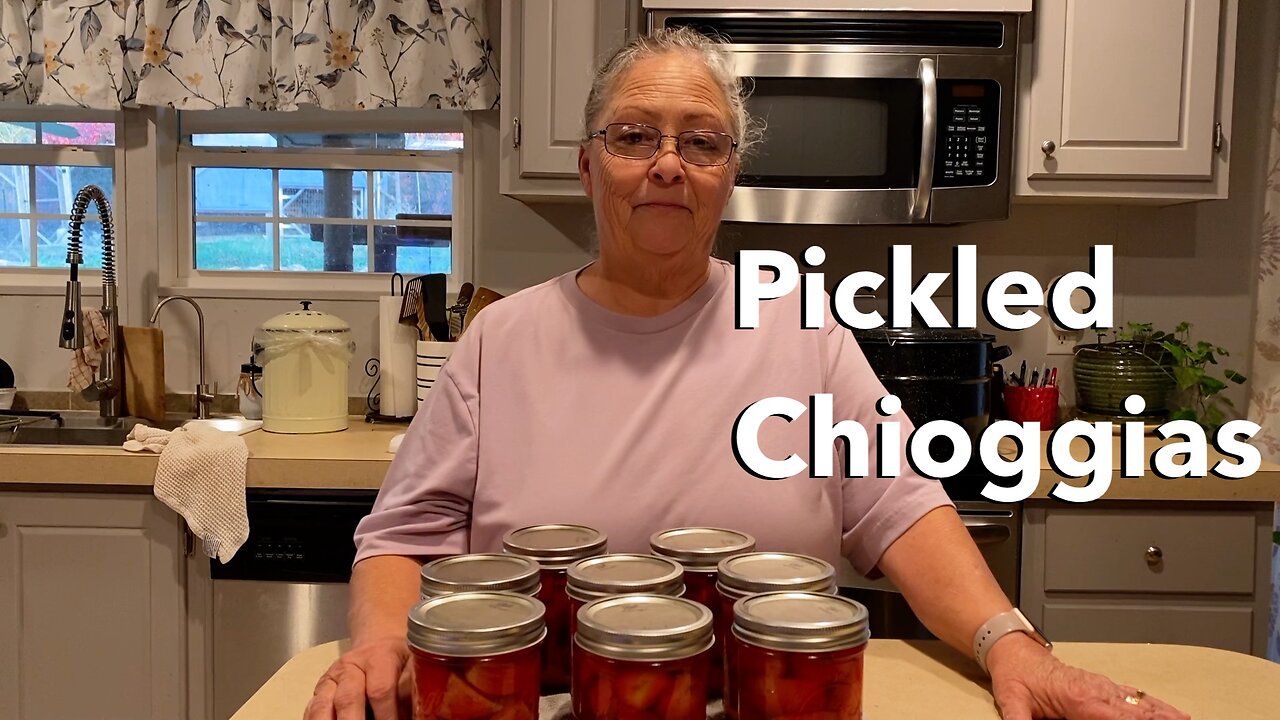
<point x="988" y="533"/>
<point x="928" y="139"/>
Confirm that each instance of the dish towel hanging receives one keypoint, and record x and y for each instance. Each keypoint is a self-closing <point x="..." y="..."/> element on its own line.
<point x="201" y="476"/>
<point x="85" y="361"/>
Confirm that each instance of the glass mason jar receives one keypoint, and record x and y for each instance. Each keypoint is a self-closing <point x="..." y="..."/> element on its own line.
<point x="799" y="654"/>
<point x="700" y="550"/>
<point x="620" y="574"/>
<point x="476" y="654"/>
<point x="555" y="548"/>
<point x="480" y="571"/>
<point x="759" y="572"/>
<point x="641" y="656"/>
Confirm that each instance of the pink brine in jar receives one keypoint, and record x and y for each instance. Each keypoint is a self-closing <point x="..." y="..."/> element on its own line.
<point x="700" y="550"/>
<point x="760" y="572"/>
<point x="641" y="656"/>
<point x="555" y="547"/>
<point x="799" y="655"/>
<point x="476" y="655"/>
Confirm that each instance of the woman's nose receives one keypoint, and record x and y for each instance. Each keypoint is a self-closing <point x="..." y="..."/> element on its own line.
<point x="667" y="166"/>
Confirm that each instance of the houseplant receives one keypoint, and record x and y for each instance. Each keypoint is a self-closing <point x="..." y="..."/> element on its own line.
<point x="1170" y="370"/>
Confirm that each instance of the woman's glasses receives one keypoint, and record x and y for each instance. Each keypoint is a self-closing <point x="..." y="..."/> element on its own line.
<point x="639" y="142"/>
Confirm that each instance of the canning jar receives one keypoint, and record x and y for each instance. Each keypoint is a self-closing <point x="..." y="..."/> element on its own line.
<point x="759" y="572"/>
<point x="641" y="656"/>
<point x="799" y="654"/>
<point x="621" y="574"/>
<point x="480" y="571"/>
<point x="700" y="550"/>
<point x="555" y="548"/>
<point x="476" y="655"/>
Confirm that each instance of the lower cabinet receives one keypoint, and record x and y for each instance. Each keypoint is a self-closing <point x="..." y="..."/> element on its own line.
<point x="1171" y="573"/>
<point x="92" y="616"/>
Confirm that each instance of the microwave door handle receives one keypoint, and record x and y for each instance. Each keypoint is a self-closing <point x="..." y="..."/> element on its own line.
<point x="928" y="140"/>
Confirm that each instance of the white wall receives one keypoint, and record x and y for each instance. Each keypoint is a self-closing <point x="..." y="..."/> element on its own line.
<point x="1190" y="262"/>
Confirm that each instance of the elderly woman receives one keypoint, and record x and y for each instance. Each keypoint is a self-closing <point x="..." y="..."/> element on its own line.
<point x="606" y="397"/>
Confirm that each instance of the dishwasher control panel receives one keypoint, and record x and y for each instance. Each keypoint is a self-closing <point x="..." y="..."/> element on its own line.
<point x="298" y="536"/>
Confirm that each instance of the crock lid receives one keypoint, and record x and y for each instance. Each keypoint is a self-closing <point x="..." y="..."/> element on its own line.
<point x="305" y="319"/>
<point x="921" y="334"/>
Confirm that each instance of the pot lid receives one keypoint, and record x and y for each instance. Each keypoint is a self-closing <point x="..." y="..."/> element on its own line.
<point x="305" y="319"/>
<point x="917" y="333"/>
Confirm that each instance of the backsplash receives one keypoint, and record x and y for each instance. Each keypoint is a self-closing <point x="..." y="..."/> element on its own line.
<point x="178" y="403"/>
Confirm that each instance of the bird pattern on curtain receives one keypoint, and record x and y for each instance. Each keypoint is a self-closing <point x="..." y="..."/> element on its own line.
<point x="259" y="54"/>
<point x="1264" y="375"/>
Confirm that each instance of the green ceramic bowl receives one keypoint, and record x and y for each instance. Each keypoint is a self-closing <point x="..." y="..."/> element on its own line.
<point x="1105" y="374"/>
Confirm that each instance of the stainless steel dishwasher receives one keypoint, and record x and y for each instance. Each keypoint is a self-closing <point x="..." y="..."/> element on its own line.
<point x="285" y="590"/>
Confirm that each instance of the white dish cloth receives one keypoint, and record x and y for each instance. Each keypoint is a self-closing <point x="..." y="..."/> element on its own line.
<point x="201" y="476"/>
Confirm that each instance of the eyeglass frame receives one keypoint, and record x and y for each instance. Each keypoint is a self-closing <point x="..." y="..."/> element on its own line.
<point x="733" y="143"/>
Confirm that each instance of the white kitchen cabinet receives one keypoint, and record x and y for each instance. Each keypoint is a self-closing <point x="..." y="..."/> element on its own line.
<point x="549" y="51"/>
<point x="1127" y="100"/>
<point x="1176" y="573"/>
<point x="91" y="607"/>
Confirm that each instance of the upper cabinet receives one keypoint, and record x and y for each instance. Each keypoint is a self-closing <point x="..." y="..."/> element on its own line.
<point x="549" y="50"/>
<point x="1127" y="99"/>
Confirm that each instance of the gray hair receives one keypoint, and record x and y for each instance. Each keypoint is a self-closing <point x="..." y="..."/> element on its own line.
<point x="746" y="129"/>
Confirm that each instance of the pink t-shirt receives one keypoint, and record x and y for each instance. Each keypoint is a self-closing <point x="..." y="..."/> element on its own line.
<point x="553" y="409"/>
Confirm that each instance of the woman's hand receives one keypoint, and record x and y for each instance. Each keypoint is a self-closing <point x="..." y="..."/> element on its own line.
<point x="1029" y="683"/>
<point x="376" y="674"/>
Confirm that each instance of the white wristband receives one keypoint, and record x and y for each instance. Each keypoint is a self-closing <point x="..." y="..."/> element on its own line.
<point x="999" y="626"/>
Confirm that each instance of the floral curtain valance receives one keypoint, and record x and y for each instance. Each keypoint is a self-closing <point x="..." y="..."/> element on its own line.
<point x="261" y="54"/>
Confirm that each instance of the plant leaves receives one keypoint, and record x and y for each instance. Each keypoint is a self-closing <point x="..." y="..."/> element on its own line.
<point x="1234" y="376"/>
<point x="305" y="39"/>
<point x="1211" y="385"/>
<point x="1183" y="414"/>
<point x="201" y="23"/>
<point x="90" y="28"/>
<point x="1213" y="418"/>
<point x="1187" y="376"/>
<point x="1174" y="349"/>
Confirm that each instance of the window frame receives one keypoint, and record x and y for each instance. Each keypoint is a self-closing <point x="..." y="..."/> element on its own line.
<point x="179" y="271"/>
<point x="111" y="156"/>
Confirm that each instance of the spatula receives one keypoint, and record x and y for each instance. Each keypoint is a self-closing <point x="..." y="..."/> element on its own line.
<point x="411" y="305"/>
<point x="434" y="289"/>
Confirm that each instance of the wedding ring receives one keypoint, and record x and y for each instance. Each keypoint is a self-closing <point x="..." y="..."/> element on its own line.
<point x="1135" y="698"/>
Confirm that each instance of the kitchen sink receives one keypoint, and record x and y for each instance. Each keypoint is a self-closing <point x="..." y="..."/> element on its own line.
<point x="71" y="428"/>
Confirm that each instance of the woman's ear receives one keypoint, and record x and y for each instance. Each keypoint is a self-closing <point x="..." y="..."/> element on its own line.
<point x="584" y="169"/>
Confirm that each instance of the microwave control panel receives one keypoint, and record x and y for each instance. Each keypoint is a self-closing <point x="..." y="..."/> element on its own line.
<point x="968" y="120"/>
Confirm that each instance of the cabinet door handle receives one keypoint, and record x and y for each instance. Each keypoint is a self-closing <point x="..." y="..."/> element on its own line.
<point x="515" y="133"/>
<point x="1047" y="147"/>
<point x="1154" y="555"/>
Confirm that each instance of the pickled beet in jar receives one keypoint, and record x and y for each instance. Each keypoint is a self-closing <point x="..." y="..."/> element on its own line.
<point x="476" y="656"/>
<point x="493" y="572"/>
<point x="555" y="548"/>
<point x="641" y="656"/>
<point x="798" y="654"/>
<point x="700" y="550"/>
<point x="759" y="572"/>
<point x="621" y="574"/>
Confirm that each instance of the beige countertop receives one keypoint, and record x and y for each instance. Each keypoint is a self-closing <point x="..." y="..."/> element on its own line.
<point x="353" y="458"/>
<point x="357" y="458"/>
<point x="917" y="679"/>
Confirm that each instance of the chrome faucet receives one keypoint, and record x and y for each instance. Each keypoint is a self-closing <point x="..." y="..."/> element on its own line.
<point x="106" y="389"/>
<point x="204" y="392"/>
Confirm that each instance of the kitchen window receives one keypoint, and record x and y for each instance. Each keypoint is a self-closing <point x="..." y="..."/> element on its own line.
<point x="320" y="194"/>
<point x="46" y="156"/>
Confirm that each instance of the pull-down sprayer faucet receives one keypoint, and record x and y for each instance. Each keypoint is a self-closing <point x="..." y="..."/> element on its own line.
<point x="71" y="336"/>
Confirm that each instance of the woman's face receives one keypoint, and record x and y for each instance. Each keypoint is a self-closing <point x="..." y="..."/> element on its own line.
<point x="659" y="209"/>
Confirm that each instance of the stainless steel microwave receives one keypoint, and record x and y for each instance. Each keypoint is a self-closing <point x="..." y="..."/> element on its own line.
<point x="871" y="118"/>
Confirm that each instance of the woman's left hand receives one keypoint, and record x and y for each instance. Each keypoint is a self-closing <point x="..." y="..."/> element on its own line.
<point x="1029" y="683"/>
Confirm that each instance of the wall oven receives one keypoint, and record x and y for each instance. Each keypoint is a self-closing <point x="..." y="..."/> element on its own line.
<point x="871" y="117"/>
